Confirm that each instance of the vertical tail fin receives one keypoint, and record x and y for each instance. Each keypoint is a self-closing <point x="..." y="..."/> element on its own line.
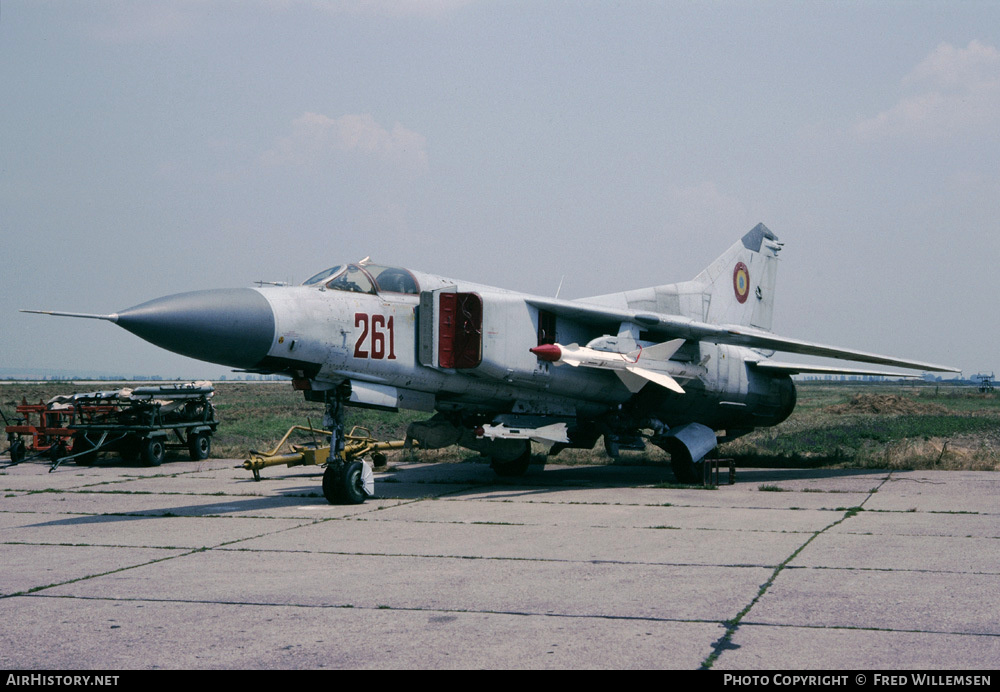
<point x="738" y="287"/>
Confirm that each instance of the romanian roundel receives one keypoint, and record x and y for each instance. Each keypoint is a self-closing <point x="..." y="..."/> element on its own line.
<point x="741" y="282"/>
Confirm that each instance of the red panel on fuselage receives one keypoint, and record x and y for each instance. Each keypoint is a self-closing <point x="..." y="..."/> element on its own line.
<point x="460" y="324"/>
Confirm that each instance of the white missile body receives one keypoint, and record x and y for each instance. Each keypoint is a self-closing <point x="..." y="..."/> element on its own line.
<point x="635" y="368"/>
<point x="545" y="435"/>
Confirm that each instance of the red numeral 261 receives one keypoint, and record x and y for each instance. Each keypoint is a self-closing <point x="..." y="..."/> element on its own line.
<point x="374" y="329"/>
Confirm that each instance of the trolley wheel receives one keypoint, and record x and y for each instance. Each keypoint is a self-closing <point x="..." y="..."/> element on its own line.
<point x="17" y="451"/>
<point x="84" y="445"/>
<point x="199" y="445"/>
<point x="153" y="451"/>
<point x="57" y="451"/>
<point x="130" y="449"/>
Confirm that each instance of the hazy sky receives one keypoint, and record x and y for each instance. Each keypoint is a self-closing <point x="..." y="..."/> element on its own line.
<point x="149" y="148"/>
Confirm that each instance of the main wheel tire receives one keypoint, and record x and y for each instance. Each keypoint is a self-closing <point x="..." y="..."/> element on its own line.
<point x="687" y="471"/>
<point x="199" y="445"/>
<point x="153" y="452"/>
<point x="514" y="467"/>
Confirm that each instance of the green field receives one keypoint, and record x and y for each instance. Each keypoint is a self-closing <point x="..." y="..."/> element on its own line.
<point x="880" y="426"/>
<point x="834" y="425"/>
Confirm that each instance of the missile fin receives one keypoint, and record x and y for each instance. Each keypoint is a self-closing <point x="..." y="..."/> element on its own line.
<point x="664" y="351"/>
<point x="660" y="378"/>
<point x="633" y="381"/>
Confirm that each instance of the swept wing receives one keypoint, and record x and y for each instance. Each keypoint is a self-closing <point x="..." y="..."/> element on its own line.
<point x="664" y="327"/>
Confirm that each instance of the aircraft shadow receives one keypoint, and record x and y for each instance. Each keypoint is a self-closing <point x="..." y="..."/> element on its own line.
<point x="452" y="480"/>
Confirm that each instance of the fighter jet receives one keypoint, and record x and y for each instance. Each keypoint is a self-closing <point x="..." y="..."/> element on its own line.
<point x="683" y="366"/>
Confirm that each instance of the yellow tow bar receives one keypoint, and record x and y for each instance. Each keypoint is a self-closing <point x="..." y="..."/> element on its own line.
<point x="358" y="444"/>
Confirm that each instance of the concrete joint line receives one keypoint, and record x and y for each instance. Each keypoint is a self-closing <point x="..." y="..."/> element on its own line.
<point x="725" y="641"/>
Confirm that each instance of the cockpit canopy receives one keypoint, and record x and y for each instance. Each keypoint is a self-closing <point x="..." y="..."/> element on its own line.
<point x="366" y="277"/>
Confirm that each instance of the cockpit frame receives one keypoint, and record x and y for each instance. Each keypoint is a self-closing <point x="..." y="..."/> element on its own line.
<point x="366" y="277"/>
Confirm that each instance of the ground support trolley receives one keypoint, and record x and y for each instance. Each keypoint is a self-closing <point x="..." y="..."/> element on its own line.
<point x="140" y="423"/>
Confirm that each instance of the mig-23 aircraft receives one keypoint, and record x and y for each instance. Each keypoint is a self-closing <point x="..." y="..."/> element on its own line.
<point x="685" y="366"/>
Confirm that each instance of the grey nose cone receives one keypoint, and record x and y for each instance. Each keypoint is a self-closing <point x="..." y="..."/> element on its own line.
<point x="231" y="326"/>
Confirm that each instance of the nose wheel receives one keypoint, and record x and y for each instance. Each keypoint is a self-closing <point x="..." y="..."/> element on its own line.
<point x="348" y="483"/>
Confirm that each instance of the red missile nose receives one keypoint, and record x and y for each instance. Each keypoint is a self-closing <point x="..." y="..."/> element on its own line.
<point x="550" y="352"/>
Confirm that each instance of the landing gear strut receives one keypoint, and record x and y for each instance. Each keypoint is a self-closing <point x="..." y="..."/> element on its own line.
<point x="343" y="482"/>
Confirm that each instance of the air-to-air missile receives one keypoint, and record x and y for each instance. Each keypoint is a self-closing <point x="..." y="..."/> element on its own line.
<point x="635" y="368"/>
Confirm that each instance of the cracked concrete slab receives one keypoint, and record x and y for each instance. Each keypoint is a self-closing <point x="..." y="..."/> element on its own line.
<point x="131" y="531"/>
<point x="608" y="515"/>
<point x="756" y="647"/>
<point x="569" y="588"/>
<point x="29" y="567"/>
<point x="651" y="546"/>
<point x="894" y="599"/>
<point x="946" y="554"/>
